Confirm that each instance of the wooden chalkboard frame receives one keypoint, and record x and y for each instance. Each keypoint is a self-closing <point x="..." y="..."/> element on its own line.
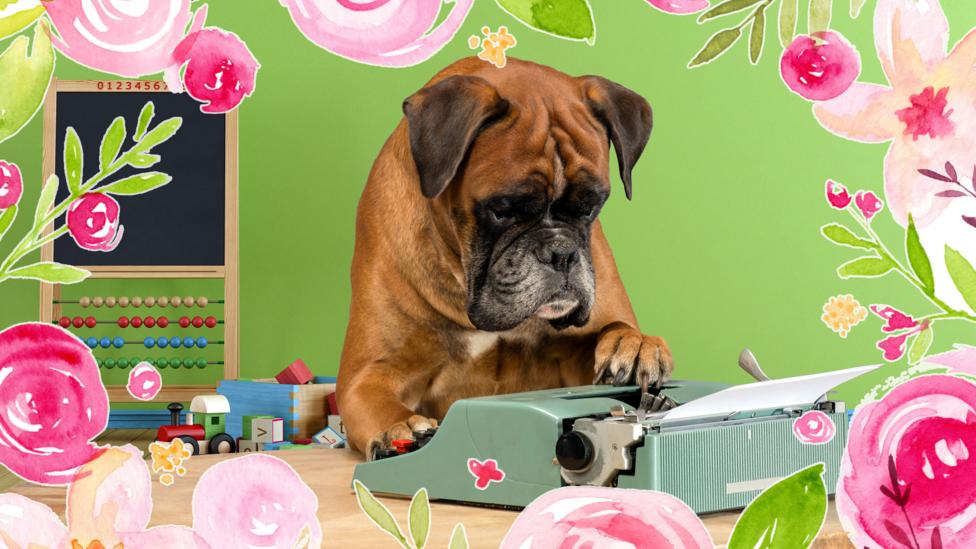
<point x="228" y="272"/>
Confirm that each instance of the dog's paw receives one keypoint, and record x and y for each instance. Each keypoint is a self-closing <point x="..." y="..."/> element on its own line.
<point x="383" y="442"/>
<point x="625" y="356"/>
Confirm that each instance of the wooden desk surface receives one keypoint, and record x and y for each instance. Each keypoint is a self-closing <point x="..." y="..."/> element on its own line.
<point x="329" y="472"/>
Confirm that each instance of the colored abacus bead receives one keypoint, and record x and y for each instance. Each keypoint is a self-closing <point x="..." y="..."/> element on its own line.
<point x="202" y="342"/>
<point x="184" y="322"/>
<point x="97" y="301"/>
<point x="162" y="301"/>
<point x="64" y="322"/>
<point x="118" y="342"/>
<point x="175" y="342"/>
<point x="149" y="322"/>
<point x="78" y="322"/>
<point x="188" y="362"/>
<point x="188" y="301"/>
<point x="90" y="322"/>
<point x="150" y="301"/>
<point x="110" y="363"/>
<point x="149" y="342"/>
<point x="176" y="301"/>
<point x="123" y="301"/>
<point x="201" y="363"/>
<point x="210" y="322"/>
<point x="197" y="322"/>
<point x="110" y="301"/>
<point x="91" y="342"/>
<point x="123" y="363"/>
<point x="136" y="322"/>
<point x="162" y="342"/>
<point x="188" y="342"/>
<point x="137" y="301"/>
<point x="202" y="302"/>
<point x="84" y="301"/>
<point x="123" y="322"/>
<point x="162" y="322"/>
<point x="162" y="363"/>
<point x="105" y="342"/>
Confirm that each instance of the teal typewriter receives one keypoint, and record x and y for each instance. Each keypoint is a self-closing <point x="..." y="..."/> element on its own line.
<point x="711" y="445"/>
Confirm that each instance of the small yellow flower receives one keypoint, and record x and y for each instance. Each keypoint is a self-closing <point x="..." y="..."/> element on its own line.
<point x="494" y="45"/>
<point x="168" y="457"/>
<point x="843" y="312"/>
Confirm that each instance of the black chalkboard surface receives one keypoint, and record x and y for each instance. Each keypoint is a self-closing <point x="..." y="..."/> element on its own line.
<point x="181" y="223"/>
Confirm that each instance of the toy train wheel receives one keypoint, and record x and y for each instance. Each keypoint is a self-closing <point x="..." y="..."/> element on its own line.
<point x="192" y="443"/>
<point x="222" y="444"/>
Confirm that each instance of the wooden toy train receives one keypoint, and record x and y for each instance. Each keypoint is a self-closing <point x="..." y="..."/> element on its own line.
<point x="204" y="428"/>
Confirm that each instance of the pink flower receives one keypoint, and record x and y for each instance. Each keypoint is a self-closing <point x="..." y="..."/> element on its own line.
<point x="814" y="427"/>
<point x="590" y="516"/>
<point x="962" y="359"/>
<point x="868" y="203"/>
<point x="52" y="403"/>
<point x="910" y="465"/>
<point x="220" y="72"/>
<point x="144" y="382"/>
<point x="93" y="221"/>
<point x="837" y="195"/>
<point x="124" y="37"/>
<point x="485" y="472"/>
<point x="821" y="66"/>
<point x="927" y="114"/>
<point x="893" y="346"/>
<point x="894" y="319"/>
<point x="387" y="33"/>
<point x="679" y="7"/>
<point x="11" y="184"/>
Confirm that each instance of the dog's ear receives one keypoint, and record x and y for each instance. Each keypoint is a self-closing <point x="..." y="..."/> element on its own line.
<point x="627" y="117"/>
<point x="444" y="120"/>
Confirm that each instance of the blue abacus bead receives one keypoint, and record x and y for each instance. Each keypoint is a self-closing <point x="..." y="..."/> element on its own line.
<point x="163" y="342"/>
<point x="91" y="342"/>
<point x="175" y="342"/>
<point x="149" y="342"/>
<point x="188" y="342"/>
<point x="105" y="342"/>
<point x="201" y="342"/>
<point x="118" y="342"/>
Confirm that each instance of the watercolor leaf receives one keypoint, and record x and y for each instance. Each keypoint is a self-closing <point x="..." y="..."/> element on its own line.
<point x="145" y="117"/>
<point x="758" y="34"/>
<point x="716" y="46"/>
<point x="74" y="160"/>
<point x="788" y="514"/>
<point x="54" y="273"/>
<point x="137" y="184"/>
<point x="569" y="19"/>
<point x="917" y="258"/>
<point x="865" y="267"/>
<point x="920" y="346"/>
<point x="898" y="534"/>
<point x="936" y="542"/>
<point x="725" y="8"/>
<point x="819" y="15"/>
<point x="163" y="131"/>
<point x="839" y="234"/>
<point x="7" y="218"/>
<point x="378" y="513"/>
<point x="48" y="192"/>
<point x="419" y="514"/>
<point x="25" y="80"/>
<point x="459" y="538"/>
<point x="16" y="16"/>
<point x="963" y="275"/>
<point x="787" y="21"/>
<point x="111" y="143"/>
<point x="856" y="6"/>
<point x="143" y="161"/>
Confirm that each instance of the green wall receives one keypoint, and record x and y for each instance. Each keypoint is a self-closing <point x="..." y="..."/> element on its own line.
<point x="719" y="248"/>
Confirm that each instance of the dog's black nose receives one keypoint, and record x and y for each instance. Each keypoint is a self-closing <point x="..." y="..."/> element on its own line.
<point x="558" y="253"/>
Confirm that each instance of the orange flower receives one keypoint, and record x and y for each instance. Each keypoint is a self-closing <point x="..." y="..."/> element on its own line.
<point x="843" y="312"/>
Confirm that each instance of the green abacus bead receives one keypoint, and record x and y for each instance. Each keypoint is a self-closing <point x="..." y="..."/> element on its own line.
<point x="110" y="363"/>
<point x="162" y="363"/>
<point x="151" y="361"/>
<point x="201" y="363"/>
<point x="123" y="363"/>
<point x="101" y="363"/>
<point x="187" y="362"/>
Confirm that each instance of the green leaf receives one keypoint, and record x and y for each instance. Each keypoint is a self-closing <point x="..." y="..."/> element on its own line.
<point x="163" y="131"/>
<point x="786" y="515"/>
<point x="111" y="143"/>
<point x="7" y="218"/>
<point x="377" y="512"/>
<point x="145" y="117"/>
<point x="865" y="267"/>
<point x="74" y="160"/>
<point x="918" y="259"/>
<point x="48" y="192"/>
<point x="716" y="46"/>
<point x="419" y="518"/>
<point x="143" y="161"/>
<point x="459" y="538"/>
<point x="25" y="80"/>
<point x="920" y="345"/>
<point x="819" y="15"/>
<point x="840" y="234"/>
<point x="55" y="273"/>
<point x="963" y="275"/>
<point x="725" y="8"/>
<point x="856" y="6"/>
<point x="569" y="19"/>
<point x="137" y="184"/>
<point x="758" y="34"/>
<point x="787" y="21"/>
<point x="16" y="16"/>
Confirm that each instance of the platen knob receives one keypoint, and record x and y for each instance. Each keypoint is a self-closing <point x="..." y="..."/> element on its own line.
<point x="574" y="451"/>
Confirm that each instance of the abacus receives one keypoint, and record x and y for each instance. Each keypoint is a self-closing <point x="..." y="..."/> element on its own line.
<point x="183" y="232"/>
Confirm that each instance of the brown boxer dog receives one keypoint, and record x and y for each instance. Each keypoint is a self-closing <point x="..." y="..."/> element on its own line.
<point x="479" y="266"/>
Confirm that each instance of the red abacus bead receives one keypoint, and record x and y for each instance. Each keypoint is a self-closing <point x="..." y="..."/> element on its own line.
<point x="78" y="322"/>
<point x="123" y="322"/>
<point x="136" y="322"/>
<point x="197" y="321"/>
<point x="64" y="322"/>
<point x="210" y="322"/>
<point x="90" y="322"/>
<point x="149" y="322"/>
<point x="184" y="322"/>
<point x="162" y="322"/>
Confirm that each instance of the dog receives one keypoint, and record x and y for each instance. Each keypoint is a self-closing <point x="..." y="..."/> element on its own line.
<point x="479" y="266"/>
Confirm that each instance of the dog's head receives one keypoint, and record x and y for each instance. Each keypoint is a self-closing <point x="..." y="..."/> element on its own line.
<point x="516" y="164"/>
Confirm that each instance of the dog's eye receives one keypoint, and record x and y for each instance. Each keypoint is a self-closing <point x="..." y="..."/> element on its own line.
<point x="499" y="215"/>
<point x="586" y="211"/>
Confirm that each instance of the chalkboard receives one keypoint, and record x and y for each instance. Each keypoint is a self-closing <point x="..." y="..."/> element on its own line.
<point x="181" y="223"/>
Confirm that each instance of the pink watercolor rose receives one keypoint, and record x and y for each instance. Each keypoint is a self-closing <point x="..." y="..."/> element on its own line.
<point x="144" y="381"/>
<point x="868" y="203"/>
<point x="220" y="69"/>
<point x="93" y="222"/>
<point x="578" y="517"/>
<point x="11" y="184"/>
<point x="962" y="359"/>
<point x="386" y="33"/>
<point x="679" y="7"/>
<point x="814" y="427"/>
<point x="821" y="66"/>
<point x="52" y="403"/>
<point x="125" y="37"/>
<point x="837" y="195"/>
<point x="909" y="467"/>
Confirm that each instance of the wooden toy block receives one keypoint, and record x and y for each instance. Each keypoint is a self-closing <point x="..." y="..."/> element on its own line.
<point x="330" y="438"/>
<point x="301" y="406"/>
<point x="297" y="373"/>
<point x="246" y="422"/>
<point x="333" y="405"/>
<point x="265" y="429"/>
<point x="245" y="445"/>
<point x="335" y="422"/>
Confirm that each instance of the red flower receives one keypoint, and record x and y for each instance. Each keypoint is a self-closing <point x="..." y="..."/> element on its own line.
<point x="93" y="221"/>
<point x="821" y="66"/>
<point x="221" y="71"/>
<point x="837" y="195"/>
<point x="485" y="472"/>
<point x="11" y="184"/>
<point x="893" y="347"/>
<point x="894" y="319"/>
<point x="52" y="403"/>
<point x="927" y="114"/>
<point x="868" y="203"/>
